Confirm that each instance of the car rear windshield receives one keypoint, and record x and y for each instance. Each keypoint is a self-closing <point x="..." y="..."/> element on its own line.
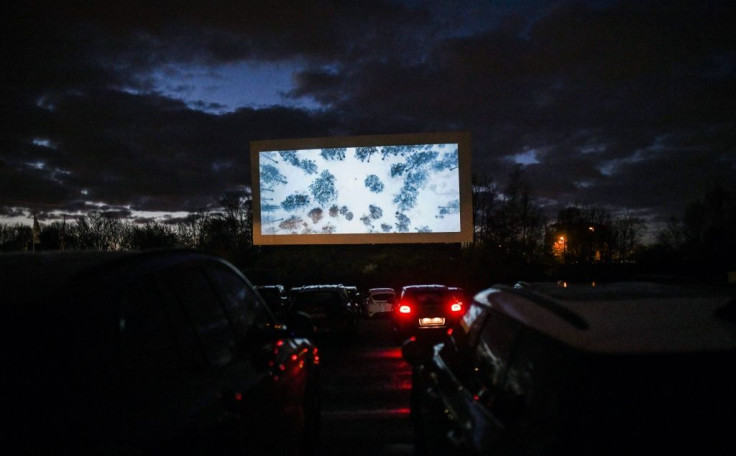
<point x="429" y="297"/>
<point x="383" y="297"/>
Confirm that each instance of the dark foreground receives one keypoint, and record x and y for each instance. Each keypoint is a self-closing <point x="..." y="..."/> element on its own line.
<point x="365" y="394"/>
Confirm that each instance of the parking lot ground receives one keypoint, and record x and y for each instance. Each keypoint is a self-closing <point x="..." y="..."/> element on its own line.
<point x="365" y="395"/>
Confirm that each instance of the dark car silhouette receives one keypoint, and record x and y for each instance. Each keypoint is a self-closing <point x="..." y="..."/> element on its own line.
<point x="615" y="369"/>
<point x="148" y="353"/>
<point x="275" y="296"/>
<point x="427" y="310"/>
<point x="329" y="306"/>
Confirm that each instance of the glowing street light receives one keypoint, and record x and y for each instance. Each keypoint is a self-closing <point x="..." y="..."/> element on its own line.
<point x="560" y="247"/>
<point x="564" y="248"/>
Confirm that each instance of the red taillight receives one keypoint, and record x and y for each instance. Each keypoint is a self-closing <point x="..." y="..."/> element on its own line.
<point x="405" y="307"/>
<point x="456" y="307"/>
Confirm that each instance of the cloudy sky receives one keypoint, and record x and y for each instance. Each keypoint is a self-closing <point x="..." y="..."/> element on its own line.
<point x="147" y="108"/>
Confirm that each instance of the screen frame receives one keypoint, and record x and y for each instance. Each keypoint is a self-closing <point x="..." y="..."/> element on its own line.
<point x="461" y="138"/>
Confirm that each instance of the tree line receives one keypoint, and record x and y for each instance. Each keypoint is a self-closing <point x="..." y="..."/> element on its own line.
<point x="513" y="240"/>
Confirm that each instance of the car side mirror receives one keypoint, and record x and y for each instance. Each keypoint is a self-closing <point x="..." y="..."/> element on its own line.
<point x="416" y="352"/>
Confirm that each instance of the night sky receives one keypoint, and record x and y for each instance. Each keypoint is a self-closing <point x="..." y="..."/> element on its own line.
<point x="146" y="109"/>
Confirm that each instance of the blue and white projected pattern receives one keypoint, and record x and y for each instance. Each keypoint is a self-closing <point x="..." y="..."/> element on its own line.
<point x="358" y="190"/>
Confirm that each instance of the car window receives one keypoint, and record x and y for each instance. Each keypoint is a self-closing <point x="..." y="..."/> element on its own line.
<point x="146" y="331"/>
<point x="472" y="322"/>
<point x="241" y="302"/>
<point x="464" y="336"/>
<point x="428" y="297"/>
<point x="458" y="352"/>
<point x="383" y="297"/>
<point x="202" y="306"/>
<point x="491" y="356"/>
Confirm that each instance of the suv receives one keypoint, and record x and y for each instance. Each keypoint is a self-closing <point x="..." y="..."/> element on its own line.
<point x="425" y="310"/>
<point x="630" y="368"/>
<point x="329" y="307"/>
<point x="166" y="352"/>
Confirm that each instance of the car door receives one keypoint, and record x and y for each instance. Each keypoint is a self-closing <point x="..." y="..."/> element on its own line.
<point x="441" y="401"/>
<point x="279" y="408"/>
<point x="489" y="401"/>
<point x="515" y="384"/>
<point x="176" y="343"/>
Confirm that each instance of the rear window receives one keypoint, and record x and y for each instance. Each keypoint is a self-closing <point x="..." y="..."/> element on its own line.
<point x="382" y="297"/>
<point x="428" y="297"/>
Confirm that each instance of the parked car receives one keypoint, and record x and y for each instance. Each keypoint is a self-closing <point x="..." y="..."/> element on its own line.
<point x="630" y="368"/>
<point x="148" y="353"/>
<point x="426" y="310"/>
<point x="275" y="296"/>
<point x="329" y="307"/>
<point x="459" y="294"/>
<point x="380" y="301"/>
<point x="355" y="297"/>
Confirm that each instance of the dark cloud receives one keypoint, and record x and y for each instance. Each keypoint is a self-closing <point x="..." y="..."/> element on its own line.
<point x="622" y="104"/>
<point x="145" y="152"/>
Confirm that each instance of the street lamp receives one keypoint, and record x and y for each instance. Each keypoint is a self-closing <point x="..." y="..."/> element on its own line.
<point x="563" y="241"/>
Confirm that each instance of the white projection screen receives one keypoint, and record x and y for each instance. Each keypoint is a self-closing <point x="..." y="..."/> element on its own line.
<point x="408" y="188"/>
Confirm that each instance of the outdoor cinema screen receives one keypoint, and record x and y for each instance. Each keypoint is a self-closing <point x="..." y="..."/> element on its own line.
<point x="412" y="188"/>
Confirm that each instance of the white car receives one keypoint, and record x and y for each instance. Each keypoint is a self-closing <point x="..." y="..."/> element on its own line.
<point x="379" y="301"/>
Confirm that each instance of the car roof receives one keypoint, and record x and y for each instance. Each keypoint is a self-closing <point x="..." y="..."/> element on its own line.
<point x="433" y="286"/>
<point x="29" y="277"/>
<point x="270" y="287"/>
<point x="632" y="317"/>
<point x="381" y="290"/>
<point x="307" y="288"/>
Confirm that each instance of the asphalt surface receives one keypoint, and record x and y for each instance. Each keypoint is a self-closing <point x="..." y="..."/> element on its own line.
<point x="365" y="394"/>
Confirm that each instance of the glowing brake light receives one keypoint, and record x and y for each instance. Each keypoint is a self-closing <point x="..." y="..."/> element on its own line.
<point x="456" y="307"/>
<point x="405" y="307"/>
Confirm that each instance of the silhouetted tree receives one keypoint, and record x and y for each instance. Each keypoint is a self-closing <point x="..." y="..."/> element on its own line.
<point x="191" y="230"/>
<point x="582" y="235"/>
<point x="15" y="237"/>
<point x="484" y="204"/>
<point x="709" y="228"/>
<point x="52" y="234"/>
<point x="627" y="234"/>
<point x="237" y="215"/>
<point x="97" y="231"/>
<point x="151" y="235"/>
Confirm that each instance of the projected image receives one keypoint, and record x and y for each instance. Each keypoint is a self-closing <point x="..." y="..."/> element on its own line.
<point x="360" y="190"/>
